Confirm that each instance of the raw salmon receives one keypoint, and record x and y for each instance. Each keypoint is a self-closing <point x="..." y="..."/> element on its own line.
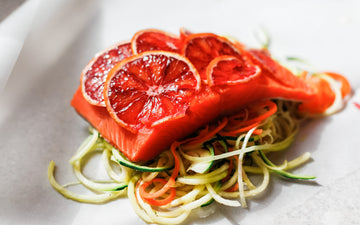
<point x="208" y="105"/>
<point x="149" y="142"/>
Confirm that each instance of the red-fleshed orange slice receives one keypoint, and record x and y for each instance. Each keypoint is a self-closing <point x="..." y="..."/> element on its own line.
<point x="230" y="70"/>
<point x="150" y="88"/>
<point x="94" y="75"/>
<point x="281" y="82"/>
<point x="152" y="39"/>
<point x="202" y="48"/>
<point x="184" y="33"/>
<point x="278" y="72"/>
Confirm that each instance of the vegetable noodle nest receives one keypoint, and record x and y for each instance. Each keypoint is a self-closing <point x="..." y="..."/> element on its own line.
<point x="217" y="164"/>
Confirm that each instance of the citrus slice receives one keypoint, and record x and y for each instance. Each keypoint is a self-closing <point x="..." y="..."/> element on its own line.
<point x="94" y="75"/>
<point x="274" y="69"/>
<point x="184" y="33"/>
<point x="281" y="82"/>
<point x="152" y="39"/>
<point x="201" y="48"/>
<point x="229" y="70"/>
<point x="150" y="88"/>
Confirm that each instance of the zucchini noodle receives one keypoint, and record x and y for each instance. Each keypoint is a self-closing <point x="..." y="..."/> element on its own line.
<point x="223" y="169"/>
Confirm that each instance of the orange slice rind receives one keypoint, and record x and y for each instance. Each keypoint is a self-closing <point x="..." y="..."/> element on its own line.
<point x="230" y="70"/>
<point x="94" y="75"/>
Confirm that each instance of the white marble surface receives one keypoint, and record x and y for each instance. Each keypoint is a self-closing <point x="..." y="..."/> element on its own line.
<point x="55" y="40"/>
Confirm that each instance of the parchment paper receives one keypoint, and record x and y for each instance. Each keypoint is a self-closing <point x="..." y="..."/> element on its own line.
<point x="58" y="38"/>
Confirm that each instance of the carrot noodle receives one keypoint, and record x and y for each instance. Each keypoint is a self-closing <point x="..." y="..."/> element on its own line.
<point x="258" y="131"/>
<point x="171" y="181"/>
<point x="241" y="130"/>
<point x="345" y="85"/>
<point x="151" y="200"/>
<point x="249" y="123"/>
<point x="337" y="89"/>
<point x="206" y="135"/>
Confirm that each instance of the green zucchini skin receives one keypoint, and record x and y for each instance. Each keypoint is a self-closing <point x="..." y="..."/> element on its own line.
<point x="125" y="162"/>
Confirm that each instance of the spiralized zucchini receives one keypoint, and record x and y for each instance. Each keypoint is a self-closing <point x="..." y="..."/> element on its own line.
<point x="225" y="168"/>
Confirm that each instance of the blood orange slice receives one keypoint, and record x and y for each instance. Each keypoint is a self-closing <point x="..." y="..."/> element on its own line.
<point x="94" y="75"/>
<point x="152" y="39"/>
<point x="150" y="88"/>
<point x="184" y="33"/>
<point x="230" y="70"/>
<point x="278" y="72"/>
<point x="281" y="82"/>
<point x="201" y="48"/>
